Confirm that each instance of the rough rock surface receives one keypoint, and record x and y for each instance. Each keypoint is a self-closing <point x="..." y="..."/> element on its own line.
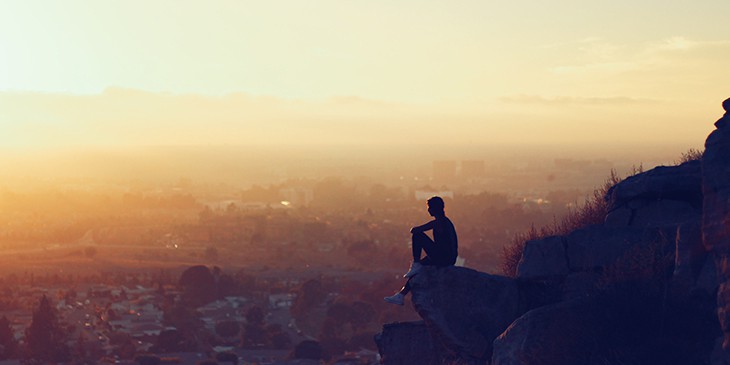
<point x="614" y="327"/>
<point x="406" y="343"/>
<point x="588" y="249"/>
<point x="464" y="309"/>
<point x="597" y="246"/>
<point x="660" y="196"/>
<point x="545" y="257"/>
<point x="716" y="213"/>
<point x="560" y="334"/>
<point x="690" y="255"/>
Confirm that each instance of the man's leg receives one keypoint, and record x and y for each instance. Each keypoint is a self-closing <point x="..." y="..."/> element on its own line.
<point x="435" y="253"/>
<point x="421" y="242"/>
<point x="406" y="288"/>
<point x="399" y="297"/>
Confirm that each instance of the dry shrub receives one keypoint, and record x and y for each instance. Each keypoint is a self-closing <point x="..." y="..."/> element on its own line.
<point x="691" y="155"/>
<point x="649" y="264"/>
<point x="592" y="211"/>
<point x="512" y="253"/>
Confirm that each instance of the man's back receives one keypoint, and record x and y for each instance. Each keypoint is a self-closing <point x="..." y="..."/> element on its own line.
<point x="444" y="235"/>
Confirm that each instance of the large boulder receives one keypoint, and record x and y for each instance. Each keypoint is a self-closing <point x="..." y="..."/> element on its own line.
<point x="406" y="343"/>
<point x="618" y="326"/>
<point x="716" y="211"/>
<point x="560" y="334"/>
<point x="598" y="246"/>
<point x="665" y="195"/>
<point x="543" y="258"/>
<point x="588" y="249"/>
<point x="465" y="310"/>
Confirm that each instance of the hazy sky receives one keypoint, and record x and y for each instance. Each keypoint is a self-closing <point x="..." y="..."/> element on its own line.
<point x="82" y="72"/>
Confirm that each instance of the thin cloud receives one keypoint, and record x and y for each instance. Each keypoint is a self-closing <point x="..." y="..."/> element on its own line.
<point x="605" y="58"/>
<point x="587" y="40"/>
<point x="569" y="100"/>
<point x="680" y="43"/>
<point x="601" y="67"/>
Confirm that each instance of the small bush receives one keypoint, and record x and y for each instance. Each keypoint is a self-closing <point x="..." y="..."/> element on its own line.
<point x="691" y="155"/>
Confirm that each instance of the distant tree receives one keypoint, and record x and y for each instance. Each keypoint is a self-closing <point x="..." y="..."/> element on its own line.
<point x="227" y="328"/>
<point x="308" y="349"/>
<point x="85" y="352"/>
<point x="362" y="314"/>
<point x="229" y="357"/>
<point x="309" y="295"/>
<point x="254" y="337"/>
<point x="123" y="344"/>
<point x="245" y="282"/>
<point x="227" y="286"/>
<point x="333" y="346"/>
<point x="199" y="286"/>
<point x="45" y="338"/>
<point x="148" y="359"/>
<point x="170" y="340"/>
<point x="334" y="336"/>
<point x="340" y="311"/>
<point x="255" y="334"/>
<point x="255" y="315"/>
<point x="280" y="340"/>
<point x="9" y="346"/>
<point x="361" y="341"/>
<point x="181" y="317"/>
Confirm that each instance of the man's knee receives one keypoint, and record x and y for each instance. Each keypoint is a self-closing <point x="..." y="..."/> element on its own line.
<point x="421" y="239"/>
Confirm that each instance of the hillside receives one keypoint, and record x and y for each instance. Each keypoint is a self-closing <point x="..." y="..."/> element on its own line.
<point x="648" y="285"/>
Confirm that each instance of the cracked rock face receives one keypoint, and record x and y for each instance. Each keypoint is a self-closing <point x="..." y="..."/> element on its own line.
<point x="716" y="212"/>
<point x="406" y="343"/>
<point x="464" y="309"/>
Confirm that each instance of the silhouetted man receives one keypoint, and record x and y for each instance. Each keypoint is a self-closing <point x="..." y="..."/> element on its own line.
<point x="441" y="251"/>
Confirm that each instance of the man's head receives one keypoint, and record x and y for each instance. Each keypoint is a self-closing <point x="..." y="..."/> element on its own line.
<point x="435" y="206"/>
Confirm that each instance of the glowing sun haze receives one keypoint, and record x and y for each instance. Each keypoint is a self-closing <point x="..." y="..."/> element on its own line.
<point x="77" y="72"/>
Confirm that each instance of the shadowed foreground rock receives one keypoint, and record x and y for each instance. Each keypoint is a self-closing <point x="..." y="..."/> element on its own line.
<point x="464" y="309"/>
<point x="561" y="334"/>
<point x="716" y="214"/>
<point x="405" y="343"/>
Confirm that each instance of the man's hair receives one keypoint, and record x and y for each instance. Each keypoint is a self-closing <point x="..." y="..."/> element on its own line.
<point x="436" y="202"/>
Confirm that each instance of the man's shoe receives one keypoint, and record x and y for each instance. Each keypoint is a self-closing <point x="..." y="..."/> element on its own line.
<point x="415" y="268"/>
<point x="396" y="298"/>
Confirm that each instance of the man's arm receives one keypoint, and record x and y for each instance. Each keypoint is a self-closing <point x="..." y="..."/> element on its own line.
<point x="426" y="227"/>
